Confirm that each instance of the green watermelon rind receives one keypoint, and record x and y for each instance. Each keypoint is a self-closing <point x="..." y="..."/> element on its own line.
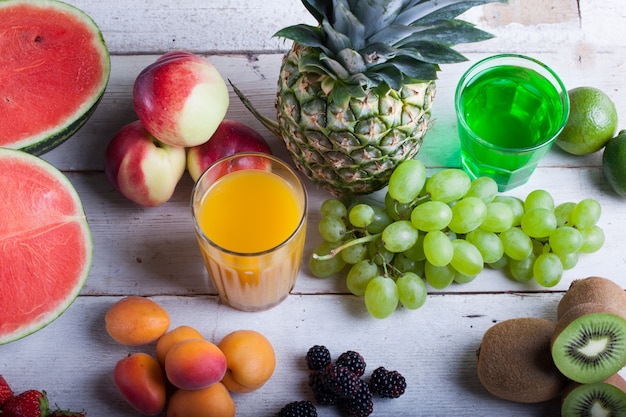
<point x="66" y="302"/>
<point x="50" y="139"/>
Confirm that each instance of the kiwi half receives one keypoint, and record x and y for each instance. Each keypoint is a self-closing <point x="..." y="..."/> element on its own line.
<point x="589" y="342"/>
<point x="604" y="398"/>
<point x="515" y="364"/>
<point x="592" y="290"/>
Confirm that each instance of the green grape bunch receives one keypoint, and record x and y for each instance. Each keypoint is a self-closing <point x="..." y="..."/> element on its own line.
<point x="444" y="229"/>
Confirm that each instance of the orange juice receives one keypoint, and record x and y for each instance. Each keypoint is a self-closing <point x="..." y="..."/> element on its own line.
<point x="251" y="226"/>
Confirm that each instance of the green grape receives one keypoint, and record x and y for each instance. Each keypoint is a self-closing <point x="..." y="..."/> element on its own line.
<point x="467" y="259"/>
<point x="488" y="244"/>
<point x="501" y="263"/>
<point x="522" y="269"/>
<point x="332" y="229"/>
<point x="586" y="213"/>
<point x="354" y="253"/>
<point x="323" y="268"/>
<point x="485" y="188"/>
<point x="399" y="236"/>
<point x="412" y="290"/>
<point x="359" y="275"/>
<point x="416" y="252"/>
<point x="439" y="277"/>
<point x="381" y="220"/>
<point x="516" y="204"/>
<point x="463" y="279"/>
<point x="397" y="210"/>
<point x="438" y="248"/>
<point x="467" y="215"/>
<point x="538" y="222"/>
<point x="548" y="269"/>
<point x="593" y="239"/>
<point x="361" y="215"/>
<point x="404" y="264"/>
<point x="381" y="297"/>
<point x="569" y="260"/>
<point x="499" y="217"/>
<point x="431" y="216"/>
<point x="333" y="207"/>
<point x="448" y="185"/>
<point x="407" y="180"/>
<point x="516" y="243"/>
<point x="539" y="199"/>
<point x="378" y="253"/>
<point x="565" y="240"/>
<point x="562" y="213"/>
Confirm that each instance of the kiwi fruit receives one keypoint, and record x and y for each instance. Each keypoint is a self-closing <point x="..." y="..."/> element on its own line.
<point x="589" y="342"/>
<point x="592" y="290"/>
<point x="514" y="361"/>
<point x="606" y="398"/>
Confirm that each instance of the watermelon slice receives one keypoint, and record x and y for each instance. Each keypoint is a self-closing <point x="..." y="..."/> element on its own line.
<point x="45" y="244"/>
<point x="54" y="68"/>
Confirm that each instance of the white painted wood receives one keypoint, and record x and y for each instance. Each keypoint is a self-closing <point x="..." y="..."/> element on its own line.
<point x="152" y="252"/>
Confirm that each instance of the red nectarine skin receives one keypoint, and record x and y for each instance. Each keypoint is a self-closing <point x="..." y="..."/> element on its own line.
<point x="140" y="380"/>
<point x="194" y="364"/>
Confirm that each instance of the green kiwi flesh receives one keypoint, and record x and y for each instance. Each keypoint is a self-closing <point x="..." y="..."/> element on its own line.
<point x="592" y="290"/>
<point x="597" y="399"/>
<point x="589" y="343"/>
<point x="515" y="364"/>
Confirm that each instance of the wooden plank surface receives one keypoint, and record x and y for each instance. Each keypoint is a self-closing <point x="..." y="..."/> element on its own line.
<point x="152" y="252"/>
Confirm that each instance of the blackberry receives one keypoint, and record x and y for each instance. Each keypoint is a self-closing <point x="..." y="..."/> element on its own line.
<point x="361" y="404"/>
<point x="298" y="409"/>
<point x="323" y="395"/>
<point x="389" y="384"/>
<point x="340" y="380"/>
<point x="353" y="361"/>
<point x="317" y="357"/>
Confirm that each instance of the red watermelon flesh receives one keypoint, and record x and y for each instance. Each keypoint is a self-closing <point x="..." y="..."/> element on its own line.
<point x="54" y="68"/>
<point x="45" y="244"/>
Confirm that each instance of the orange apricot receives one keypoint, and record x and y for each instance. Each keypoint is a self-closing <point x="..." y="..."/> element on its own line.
<point x="136" y="321"/>
<point x="140" y="380"/>
<point x="250" y="359"/>
<point x="212" y="401"/>
<point x="194" y="364"/>
<point x="172" y="337"/>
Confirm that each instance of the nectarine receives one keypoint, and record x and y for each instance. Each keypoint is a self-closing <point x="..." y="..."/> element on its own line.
<point x="172" y="337"/>
<point x="194" y="364"/>
<point x="136" y="320"/>
<point x="140" y="380"/>
<point x="213" y="401"/>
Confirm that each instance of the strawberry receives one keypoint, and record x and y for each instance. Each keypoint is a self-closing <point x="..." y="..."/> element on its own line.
<point x="31" y="403"/>
<point x="6" y="393"/>
<point x="67" y="413"/>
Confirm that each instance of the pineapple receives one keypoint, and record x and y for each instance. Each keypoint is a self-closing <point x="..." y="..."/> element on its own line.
<point x="355" y="92"/>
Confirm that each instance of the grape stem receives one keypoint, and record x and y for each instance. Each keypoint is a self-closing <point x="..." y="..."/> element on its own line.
<point x="335" y="251"/>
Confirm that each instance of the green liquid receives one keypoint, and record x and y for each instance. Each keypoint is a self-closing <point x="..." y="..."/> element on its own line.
<point x="513" y="110"/>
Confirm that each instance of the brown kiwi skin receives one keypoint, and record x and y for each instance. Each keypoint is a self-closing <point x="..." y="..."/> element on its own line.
<point x="592" y="289"/>
<point x="515" y="361"/>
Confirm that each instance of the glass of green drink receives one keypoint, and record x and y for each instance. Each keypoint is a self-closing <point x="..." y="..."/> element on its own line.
<point x="510" y="109"/>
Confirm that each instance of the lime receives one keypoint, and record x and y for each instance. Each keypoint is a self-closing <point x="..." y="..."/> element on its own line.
<point x="592" y="121"/>
<point x="614" y="163"/>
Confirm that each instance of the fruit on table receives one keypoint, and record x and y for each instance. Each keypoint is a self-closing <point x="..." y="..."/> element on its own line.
<point x="250" y="360"/>
<point x="193" y="364"/>
<point x="614" y="163"/>
<point x="170" y="338"/>
<point x="135" y="321"/>
<point x="514" y="361"/>
<point x="350" y="107"/>
<point x="6" y="393"/>
<point x="606" y="397"/>
<point x="140" y="380"/>
<point x="592" y="290"/>
<point x="230" y="137"/>
<point x="30" y="403"/>
<point x="591" y="123"/>
<point x="55" y="53"/>
<point x="141" y="167"/>
<point x="212" y="401"/>
<point x="180" y="98"/>
<point x="40" y="209"/>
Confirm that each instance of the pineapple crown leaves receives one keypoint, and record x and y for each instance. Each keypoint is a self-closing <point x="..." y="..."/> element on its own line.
<point x="383" y="44"/>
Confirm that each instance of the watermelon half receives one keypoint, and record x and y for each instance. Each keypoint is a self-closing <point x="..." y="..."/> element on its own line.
<point x="45" y="244"/>
<point x="54" y="68"/>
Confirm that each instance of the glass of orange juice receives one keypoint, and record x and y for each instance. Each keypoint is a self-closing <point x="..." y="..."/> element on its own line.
<point x="250" y="213"/>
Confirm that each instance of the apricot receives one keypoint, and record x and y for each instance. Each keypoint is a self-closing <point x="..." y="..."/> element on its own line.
<point x="194" y="364"/>
<point x="136" y="321"/>
<point x="212" y="401"/>
<point x="140" y="380"/>
<point x="250" y="360"/>
<point x="172" y="337"/>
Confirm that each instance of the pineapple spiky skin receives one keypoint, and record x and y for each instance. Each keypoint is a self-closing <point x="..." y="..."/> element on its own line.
<point x="348" y="149"/>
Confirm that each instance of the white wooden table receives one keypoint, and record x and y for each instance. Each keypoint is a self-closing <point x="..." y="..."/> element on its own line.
<point x="152" y="252"/>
